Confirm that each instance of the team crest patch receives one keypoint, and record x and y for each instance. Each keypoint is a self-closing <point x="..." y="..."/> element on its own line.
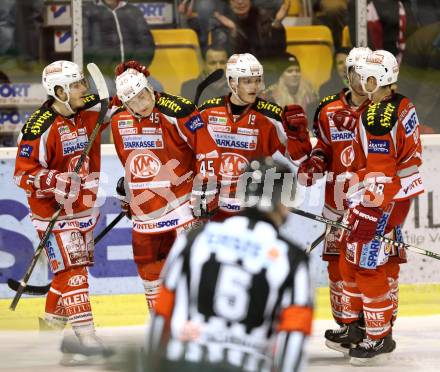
<point x="25" y="151"/>
<point x="194" y="123"/>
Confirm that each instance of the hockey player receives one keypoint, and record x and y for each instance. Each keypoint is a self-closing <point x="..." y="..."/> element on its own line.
<point x="236" y="296"/>
<point x="332" y="154"/>
<point x="246" y="127"/>
<point x="385" y="177"/>
<point x="49" y="147"/>
<point x="164" y="146"/>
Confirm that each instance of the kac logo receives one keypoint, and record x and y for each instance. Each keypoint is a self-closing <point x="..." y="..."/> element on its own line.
<point x="145" y="165"/>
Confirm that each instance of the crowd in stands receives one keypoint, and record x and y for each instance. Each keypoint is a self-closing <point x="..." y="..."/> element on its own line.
<point x="115" y="30"/>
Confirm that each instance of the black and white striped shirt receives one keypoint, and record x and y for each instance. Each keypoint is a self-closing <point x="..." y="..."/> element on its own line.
<point x="235" y="294"/>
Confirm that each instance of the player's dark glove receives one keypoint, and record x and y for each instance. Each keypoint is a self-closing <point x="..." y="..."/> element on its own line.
<point x="122" y="194"/>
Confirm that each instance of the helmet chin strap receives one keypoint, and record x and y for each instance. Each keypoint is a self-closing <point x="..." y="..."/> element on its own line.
<point x="237" y="97"/>
<point x="370" y="94"/>
<point x="66" y="102"/>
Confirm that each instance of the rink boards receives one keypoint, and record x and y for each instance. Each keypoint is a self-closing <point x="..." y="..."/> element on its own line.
<point x="114" y="271"/>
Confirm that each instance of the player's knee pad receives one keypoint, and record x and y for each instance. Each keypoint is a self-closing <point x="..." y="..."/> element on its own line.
<point x="70" y="248"/>
<point x="148" y="248"/>
<point x="150" y="271"/>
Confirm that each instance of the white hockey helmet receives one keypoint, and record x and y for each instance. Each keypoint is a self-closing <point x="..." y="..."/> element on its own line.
<point x="354" y="56"/>
<point x="240" y="66"/>
<point x="61" y="73"/>
<point x="130" y="83"/>
<point x="380" y="64"/>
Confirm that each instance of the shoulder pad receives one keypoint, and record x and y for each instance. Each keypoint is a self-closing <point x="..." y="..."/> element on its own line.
<point x="176" y="106"/>
<point x="269" y="109"/>
<point x="380" y="118"/>
<point x="119" y="109"/>
<point x="324" y="102"/>
<point x="213" y="102"/>
<point x="38" y="123"/>
<point x="90" y="101"/>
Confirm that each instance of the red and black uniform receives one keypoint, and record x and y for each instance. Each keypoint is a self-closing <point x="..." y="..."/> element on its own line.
<point x="257" y="131"/>
<point x="51" y="142"/>
<point x="161" y="155"/>
<point x="334" y="147"/>
<point x="385" y="173"/>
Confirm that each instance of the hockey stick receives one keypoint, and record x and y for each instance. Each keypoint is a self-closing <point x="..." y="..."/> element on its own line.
<point x="315" y="243"/>
<point x="104" y="100"/>
<point x="383" y="239"/>
<point x="36" y="290"/>
<point x="211" y="78"/>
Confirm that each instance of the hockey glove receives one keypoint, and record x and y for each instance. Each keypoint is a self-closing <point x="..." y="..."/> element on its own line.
<point x="204" y="197"/>
<point x="131" y="64"/>
<point x="295" y="121"/>
<point x="311" y="169"/>
<point x="363" y="222"/>
<point x="122" y="195"/>
<point x="346" y="119"/>
<point x="63" y="186"/>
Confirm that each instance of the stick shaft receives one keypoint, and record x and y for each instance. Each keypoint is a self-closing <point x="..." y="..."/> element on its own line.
<point x="395" y="243"/>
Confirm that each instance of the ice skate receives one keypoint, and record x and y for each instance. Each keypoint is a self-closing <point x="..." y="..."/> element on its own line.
<point x="370" y="351"/>
<point x="89" y="350"/>
<point x="343" y="338"/>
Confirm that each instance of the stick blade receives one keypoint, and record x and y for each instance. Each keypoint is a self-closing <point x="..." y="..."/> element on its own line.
<point x="211" y="78"/>
<point x="32" y="290"/>
<point x="99" y="80"/>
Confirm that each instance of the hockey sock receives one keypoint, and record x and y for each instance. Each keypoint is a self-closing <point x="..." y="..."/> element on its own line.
<point x="378" y="312"/>
<point x="75" y="298"/>
<point x="351" y="301"/>
<point x="149" y="274"/>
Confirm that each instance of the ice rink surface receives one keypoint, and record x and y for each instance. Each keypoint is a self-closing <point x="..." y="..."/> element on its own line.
<point x="418" y="349"/>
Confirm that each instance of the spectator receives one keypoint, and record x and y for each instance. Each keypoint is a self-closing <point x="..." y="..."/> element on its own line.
<point x="7" y="25"/>
<point x="116" y="31"/>
<point x="338" y="79"/>
<point x="386" y="25"/>
<point x="244" y="28"/>
<point x="274" y="6"/>
<point x="290" y="87"/>
<point x="214" y="58"/>
<point x="198" y="14"/>
<point x="28" y="22"/>
<point x="333" y="14"/>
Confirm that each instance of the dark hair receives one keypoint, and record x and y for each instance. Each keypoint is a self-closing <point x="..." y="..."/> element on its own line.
<point x="214" y="47"/>
<point x="343" y="50"/>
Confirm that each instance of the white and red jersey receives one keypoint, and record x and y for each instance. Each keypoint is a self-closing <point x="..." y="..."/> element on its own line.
<point x="387" y="152"/>
<point x="161" y="155"/>
<point x="51" y="141"/>
<point x="335" y="146"/>
<point x="257" y="132"/>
